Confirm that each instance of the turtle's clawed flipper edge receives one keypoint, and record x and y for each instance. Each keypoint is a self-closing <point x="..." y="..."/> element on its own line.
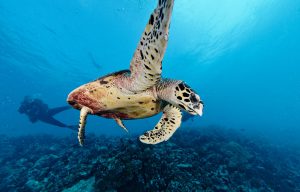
<point x="165" y="128"/>
<point x="82" y="122"/>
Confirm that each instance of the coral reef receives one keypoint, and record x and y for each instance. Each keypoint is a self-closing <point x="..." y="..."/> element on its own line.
<point x="214" y="159"/>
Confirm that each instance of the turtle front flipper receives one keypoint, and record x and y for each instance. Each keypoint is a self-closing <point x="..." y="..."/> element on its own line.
<point x="146" y="64"/>
<point x="82" y="122"/>
<point x="165" y="128"/>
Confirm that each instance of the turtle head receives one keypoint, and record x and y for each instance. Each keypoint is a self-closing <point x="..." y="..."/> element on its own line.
<point x="188" y="100"/>
<point x="181" y="95"/>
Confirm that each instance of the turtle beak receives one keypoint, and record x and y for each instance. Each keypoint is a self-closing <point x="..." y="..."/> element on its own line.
<point x="196" y="109"/>
<point x="197" y="104"/>
<point x="199" y="108"/>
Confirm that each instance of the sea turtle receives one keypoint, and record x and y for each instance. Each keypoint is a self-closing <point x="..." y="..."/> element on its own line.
<point x="141" y="91"/>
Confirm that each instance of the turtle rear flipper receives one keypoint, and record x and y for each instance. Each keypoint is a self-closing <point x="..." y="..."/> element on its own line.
<point x="165" y="128"/>
<point x="82" y="122"/>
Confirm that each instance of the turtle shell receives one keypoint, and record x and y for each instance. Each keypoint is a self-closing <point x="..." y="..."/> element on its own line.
<point x="106" y="99"/>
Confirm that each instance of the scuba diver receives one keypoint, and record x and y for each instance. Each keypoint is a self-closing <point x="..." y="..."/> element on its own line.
<point x="36" y="110"/>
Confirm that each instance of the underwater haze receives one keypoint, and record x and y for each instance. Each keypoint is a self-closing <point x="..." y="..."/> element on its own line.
<point x="242" y="58"/>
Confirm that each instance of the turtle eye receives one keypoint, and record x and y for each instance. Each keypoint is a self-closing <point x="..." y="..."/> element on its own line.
<point x="194" y="98"/>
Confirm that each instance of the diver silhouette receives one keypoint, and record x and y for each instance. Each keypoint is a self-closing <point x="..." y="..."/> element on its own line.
<point x="37" y="110"/>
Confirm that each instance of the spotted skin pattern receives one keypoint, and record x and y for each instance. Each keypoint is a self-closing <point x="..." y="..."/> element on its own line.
<point x="180" y="95"/>
<point x="186" y="97"/>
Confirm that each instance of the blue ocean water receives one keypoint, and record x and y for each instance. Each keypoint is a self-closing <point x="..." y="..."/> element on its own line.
<point x="242" y="57"/>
